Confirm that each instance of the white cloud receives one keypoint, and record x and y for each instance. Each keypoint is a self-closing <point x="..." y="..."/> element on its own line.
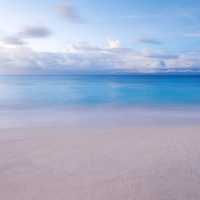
<point x="114" y="44"/>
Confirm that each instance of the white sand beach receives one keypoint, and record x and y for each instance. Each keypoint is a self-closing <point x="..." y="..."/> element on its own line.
<point x="151" y="163"/>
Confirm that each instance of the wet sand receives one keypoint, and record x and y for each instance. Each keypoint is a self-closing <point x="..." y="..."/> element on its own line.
<point x="127" y="163"/>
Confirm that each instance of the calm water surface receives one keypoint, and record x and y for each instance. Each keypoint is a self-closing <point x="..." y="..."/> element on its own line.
<point x="99" y="90"/>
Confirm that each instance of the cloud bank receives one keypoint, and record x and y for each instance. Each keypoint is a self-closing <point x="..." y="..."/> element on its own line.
<point x="84" y="58"/>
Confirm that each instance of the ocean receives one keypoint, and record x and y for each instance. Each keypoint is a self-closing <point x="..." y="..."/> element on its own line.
<point x="99" y="90"/>
<point x="99" y="99"/>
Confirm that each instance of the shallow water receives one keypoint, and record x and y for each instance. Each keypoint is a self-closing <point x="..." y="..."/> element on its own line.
<point x="99" y="90"/>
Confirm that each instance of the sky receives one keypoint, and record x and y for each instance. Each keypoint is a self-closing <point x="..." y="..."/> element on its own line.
<point x="58" y="36"/>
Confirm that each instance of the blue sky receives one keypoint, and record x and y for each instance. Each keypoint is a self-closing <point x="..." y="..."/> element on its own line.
<point x="131" y="35"/>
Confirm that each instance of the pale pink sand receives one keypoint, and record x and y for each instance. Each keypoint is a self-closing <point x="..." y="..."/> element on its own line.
<point x="105" y="164"/>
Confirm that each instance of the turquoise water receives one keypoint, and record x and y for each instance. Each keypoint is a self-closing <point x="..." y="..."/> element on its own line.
<point x="99" y="90"/>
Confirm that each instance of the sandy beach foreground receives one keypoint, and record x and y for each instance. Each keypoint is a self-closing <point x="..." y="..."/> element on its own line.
<point x="152" y="163"/>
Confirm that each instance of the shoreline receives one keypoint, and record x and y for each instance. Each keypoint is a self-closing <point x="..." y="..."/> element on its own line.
<point x="100" y="117"/>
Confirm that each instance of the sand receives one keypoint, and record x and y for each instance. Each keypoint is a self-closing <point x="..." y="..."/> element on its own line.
<point x="128" y="163"/>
